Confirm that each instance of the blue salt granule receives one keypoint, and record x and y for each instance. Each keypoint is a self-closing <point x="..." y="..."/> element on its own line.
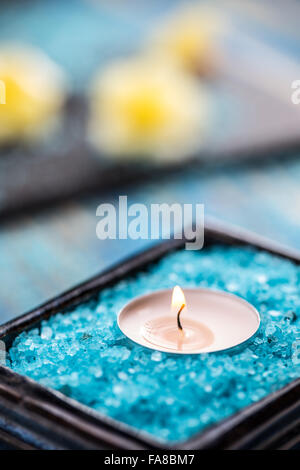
<point x="84" y="355"/>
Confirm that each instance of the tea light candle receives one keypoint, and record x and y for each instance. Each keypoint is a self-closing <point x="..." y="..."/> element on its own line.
<point x="193" y="322"/>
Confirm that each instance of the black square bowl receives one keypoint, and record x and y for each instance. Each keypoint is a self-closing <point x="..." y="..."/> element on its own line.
<point x="35" y="417"/>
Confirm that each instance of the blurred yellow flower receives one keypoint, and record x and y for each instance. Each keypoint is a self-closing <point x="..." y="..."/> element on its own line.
<point x="188" y="36"/>
<point x="142" y="107"/>
<point x="34" y="89"/>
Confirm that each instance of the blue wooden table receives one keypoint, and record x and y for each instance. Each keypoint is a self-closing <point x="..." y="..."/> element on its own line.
<point x="42" y="255"/>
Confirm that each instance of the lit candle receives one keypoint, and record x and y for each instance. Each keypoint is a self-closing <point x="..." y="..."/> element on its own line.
<point x="201" y="320"/>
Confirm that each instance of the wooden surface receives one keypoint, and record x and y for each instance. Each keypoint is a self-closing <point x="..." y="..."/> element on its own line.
<point x="46" y="252"/>
<point x="249" y="97"/>
<point x="43" y="254"/>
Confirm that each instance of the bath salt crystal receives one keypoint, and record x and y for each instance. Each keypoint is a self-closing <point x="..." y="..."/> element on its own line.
<point x="83" y="354"/>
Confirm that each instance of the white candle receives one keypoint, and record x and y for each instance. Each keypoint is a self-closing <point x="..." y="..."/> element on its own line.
<point x="208" y="321"/>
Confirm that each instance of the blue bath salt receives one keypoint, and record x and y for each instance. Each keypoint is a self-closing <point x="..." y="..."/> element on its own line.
<point x="83" y="354"/>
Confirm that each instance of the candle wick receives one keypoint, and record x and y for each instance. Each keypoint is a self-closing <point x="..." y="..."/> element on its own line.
<point x="178" y="317"/>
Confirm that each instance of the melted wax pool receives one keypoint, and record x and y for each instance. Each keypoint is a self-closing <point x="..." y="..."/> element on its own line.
<point x="84" y="355"/>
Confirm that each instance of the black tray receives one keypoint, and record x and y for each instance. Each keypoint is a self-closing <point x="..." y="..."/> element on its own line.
<point x="33" y="416"/>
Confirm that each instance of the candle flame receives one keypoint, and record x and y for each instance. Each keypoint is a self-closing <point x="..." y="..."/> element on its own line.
<point x="178" y="302"/>
<point x="178" y="298"/>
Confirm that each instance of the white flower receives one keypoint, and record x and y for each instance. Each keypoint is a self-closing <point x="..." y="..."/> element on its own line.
<point x="145" y="107"/>
<point x="34" y="92"/>
<point x="189" y="36"/>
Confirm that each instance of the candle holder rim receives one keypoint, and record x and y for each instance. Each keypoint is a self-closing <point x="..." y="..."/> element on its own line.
<point x="192" y="289"/>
